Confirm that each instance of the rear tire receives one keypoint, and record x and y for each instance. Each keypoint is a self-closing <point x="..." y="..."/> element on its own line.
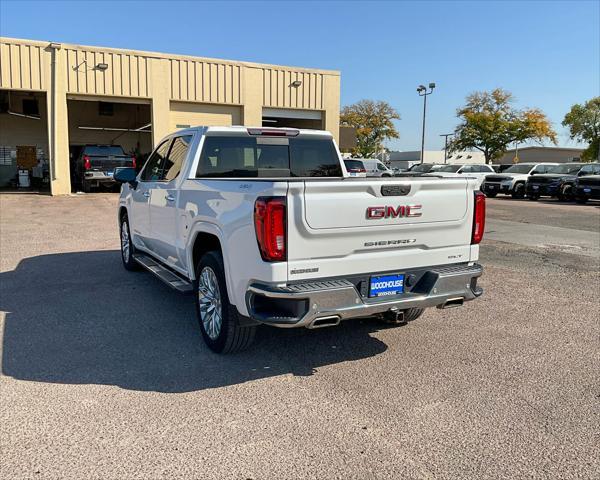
<point x="218" y="319"/>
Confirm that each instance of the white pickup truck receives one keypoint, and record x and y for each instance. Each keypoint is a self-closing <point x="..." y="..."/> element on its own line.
<point x="265" y="226"/>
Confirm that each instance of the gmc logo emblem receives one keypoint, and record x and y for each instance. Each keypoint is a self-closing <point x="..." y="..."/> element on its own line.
<point x="394" y="212"/>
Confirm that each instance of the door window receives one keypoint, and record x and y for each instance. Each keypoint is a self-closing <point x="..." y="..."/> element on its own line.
<point x="153" y="168"/>
<point x="177" y="155"/>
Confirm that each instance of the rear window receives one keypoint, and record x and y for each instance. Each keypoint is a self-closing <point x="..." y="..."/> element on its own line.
<point x="268" y="157"/>
<point x="104" y="150"/>
<point x="354" y="165"/>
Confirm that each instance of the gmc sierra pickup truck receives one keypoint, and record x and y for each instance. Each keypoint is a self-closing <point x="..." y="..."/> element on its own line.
<point x="265" y="226"/>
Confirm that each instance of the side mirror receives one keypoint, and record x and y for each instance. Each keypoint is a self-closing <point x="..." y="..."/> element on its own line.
<point x="126" y="175"/>
<point x="533" y="173"/>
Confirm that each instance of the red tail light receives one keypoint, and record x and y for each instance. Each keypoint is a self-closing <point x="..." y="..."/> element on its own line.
<point x="133" y="162"/>
<point x="478" y="218"/>
<point x="86" y="162"/>
<point x="270" y="225"/>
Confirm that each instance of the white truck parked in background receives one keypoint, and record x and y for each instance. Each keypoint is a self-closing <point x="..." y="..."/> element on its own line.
<point x="264" y="226"/>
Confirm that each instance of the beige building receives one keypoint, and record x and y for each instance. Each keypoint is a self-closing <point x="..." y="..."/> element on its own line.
<point x="55" y="98"/>
<point x="542" y="155"/>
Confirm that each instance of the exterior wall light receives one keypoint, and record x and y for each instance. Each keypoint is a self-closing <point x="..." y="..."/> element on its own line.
<point x="296" y="83"/>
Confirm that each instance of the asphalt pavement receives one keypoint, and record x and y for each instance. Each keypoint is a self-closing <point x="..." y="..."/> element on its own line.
<point x="104" y="373"/>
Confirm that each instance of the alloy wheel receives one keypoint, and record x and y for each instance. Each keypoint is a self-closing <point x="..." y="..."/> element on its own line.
<point x="210" y="303"/>
<point x="125" y="250"/>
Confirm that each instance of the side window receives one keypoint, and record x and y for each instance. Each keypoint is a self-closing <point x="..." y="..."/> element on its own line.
<point x="177" y="155"/>
<point x="153" y="167"/>
<point x="468" y="169"/>
<point x="380" y="167"/>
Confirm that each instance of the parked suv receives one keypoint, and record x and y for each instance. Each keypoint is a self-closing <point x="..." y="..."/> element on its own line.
<point x="263" y="227"/>
<point x="96" y="164"/>
<point x="558" y="182"/>
<point x="587" y="186"/>
<point x="512" y="181"/>
<point x="476" y="171"/>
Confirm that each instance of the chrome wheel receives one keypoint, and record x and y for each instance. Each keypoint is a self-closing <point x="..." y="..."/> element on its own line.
<point x="125" y="250"/>
<point x="209" y="299"/>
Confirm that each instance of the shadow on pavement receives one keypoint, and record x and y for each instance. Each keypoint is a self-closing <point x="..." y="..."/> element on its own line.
<point x="80" y="318"/>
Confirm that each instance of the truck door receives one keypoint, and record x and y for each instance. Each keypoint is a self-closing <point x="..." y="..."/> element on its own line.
<point x="140" y="221"/>
<point x="163" y="203"/>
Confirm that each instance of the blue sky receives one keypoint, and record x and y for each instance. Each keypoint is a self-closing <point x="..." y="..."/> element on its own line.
<point x="546" y="52"/>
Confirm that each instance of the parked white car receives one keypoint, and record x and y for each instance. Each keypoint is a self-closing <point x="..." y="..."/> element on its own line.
<point x="376" y="168"/>
<point x="478" y="172"/>
<point x="512" y="180"/>
<point x="263" y="226"/>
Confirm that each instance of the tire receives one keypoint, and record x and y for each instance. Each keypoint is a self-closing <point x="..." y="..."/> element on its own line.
<point x="86" y="187"/>
<point x="518" y="191"/>
<point x="220" y="327"/>
<point x="491" y="195"/>
<point x="580" y="200"/>
<point x="533" y="197"/>
<point x="566" y="193"/>
<point x="386" y="175"/>
<point x="127" y="248"/>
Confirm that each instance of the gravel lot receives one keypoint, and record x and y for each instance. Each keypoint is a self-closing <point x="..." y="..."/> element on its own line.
<point x="104" y="373"/>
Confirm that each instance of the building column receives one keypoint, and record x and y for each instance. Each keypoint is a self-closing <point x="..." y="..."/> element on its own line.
<point x="58" y="121"/>
<point x="252" y="96"/>
<point x="331" y="100"/>
<point x="160" y="91"/>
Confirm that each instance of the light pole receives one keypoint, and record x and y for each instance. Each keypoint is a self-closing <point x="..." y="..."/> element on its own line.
<point x="446" y="135"/>
<point x="422" y="91"/>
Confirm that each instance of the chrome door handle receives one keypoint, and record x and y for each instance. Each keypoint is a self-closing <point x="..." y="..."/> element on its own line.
<point x="146" y="194"/>
<point x="170" y="198"/>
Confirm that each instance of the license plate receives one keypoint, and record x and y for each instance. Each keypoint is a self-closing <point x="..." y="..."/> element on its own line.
<point x="386" y="285"/>
<point x="535" y="187"/>
<point x="587" y="190"/>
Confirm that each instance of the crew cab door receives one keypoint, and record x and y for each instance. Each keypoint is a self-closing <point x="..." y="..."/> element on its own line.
<point x="164" y="223"/>
<point x="140" y="196"/>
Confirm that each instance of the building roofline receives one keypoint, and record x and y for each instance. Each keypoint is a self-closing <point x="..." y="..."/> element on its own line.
<point x="546" y="148"/>
<point x="151" y="54"/>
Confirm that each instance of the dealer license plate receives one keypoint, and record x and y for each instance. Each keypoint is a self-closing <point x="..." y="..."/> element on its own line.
<point x="587" y="190"/>
<point x="386" y="285"/>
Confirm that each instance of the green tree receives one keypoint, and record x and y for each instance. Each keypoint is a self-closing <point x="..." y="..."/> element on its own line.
<point x="373" y="121"/>
<point x="584" y="125"/>
<point x="490" y="124"/>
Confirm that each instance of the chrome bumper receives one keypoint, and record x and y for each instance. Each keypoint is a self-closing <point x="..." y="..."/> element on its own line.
<point x="304" y="304"/>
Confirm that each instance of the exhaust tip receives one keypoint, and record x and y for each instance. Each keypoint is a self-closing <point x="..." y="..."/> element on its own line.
<point x="452" y="302"/>
<point x="330" y="321"/>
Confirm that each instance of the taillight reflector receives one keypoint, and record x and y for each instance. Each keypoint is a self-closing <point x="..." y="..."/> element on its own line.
<point x="270" y="225"/>
<point x="86" y="162"/>
<point x="478" y="218"/>
<point x="133" y="162"/>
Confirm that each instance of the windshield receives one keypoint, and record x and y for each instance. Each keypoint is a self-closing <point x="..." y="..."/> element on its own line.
<point x="519" y="169"/>
<point x="449" y="168"/>
<point x="421" y="167"/>
<point x="241" y="156"/>
<point x="566" y="169"/>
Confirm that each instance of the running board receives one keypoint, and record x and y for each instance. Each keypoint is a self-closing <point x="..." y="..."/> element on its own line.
<point x="171" y="279"/>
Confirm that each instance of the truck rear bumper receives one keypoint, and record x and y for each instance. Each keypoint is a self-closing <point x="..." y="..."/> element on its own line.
<point x="326" y="302"/>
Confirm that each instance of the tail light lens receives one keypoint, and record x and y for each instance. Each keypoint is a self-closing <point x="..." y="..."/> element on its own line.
<point x="478" y="218"/>
<point x="86" y="162"/>
<point x="133" y="162"/>
<point x="270" y="225"/>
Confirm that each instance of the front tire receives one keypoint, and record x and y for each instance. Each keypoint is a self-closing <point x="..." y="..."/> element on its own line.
<point x="566" y="193"/>
<point x="518" y="191"/>
<point x="127" y="248"/>
<point x="218" y="319"/>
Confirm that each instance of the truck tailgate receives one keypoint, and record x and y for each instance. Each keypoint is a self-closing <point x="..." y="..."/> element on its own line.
<point x="343" y="227"/>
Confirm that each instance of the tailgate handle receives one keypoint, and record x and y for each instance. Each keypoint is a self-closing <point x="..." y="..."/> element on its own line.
<point x="395" y="190"/>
